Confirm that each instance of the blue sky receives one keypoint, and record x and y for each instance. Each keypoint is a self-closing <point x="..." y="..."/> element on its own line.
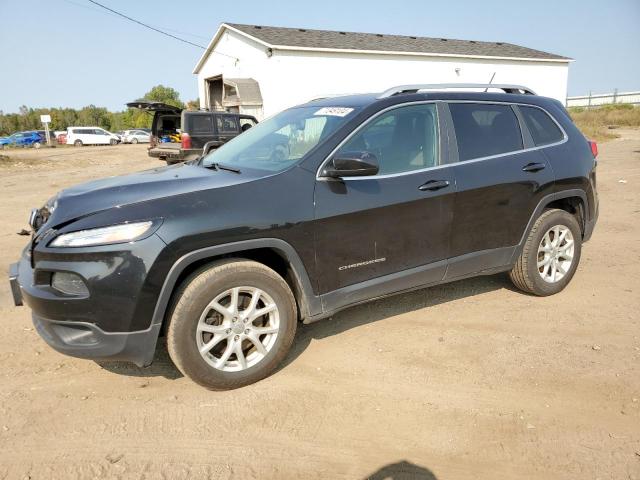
<point x="71" y="53"/>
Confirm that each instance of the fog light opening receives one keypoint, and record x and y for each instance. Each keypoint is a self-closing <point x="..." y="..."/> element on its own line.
<point x="69" y="284"/>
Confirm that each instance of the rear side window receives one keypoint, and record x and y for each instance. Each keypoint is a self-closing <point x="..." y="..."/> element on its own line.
<point x="201" y="125"/>
<point x="483" y="130"/>
<point x="226" y="124"/>
<point x="543" y="129"/>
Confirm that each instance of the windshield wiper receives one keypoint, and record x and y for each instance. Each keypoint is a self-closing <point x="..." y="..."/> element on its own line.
<point x="220" y="166"/>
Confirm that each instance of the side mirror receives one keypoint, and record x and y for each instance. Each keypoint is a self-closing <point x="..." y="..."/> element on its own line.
<point x="351" y="164"/>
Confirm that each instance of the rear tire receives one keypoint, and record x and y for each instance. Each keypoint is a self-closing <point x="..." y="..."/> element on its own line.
<point x="134" y="141"/>
<point x="77" y="143"/>
<point x="550" y="256"/>
<point x="222" y="343"/>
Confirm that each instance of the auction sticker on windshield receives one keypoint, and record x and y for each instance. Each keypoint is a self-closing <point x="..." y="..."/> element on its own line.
<point x="334" y="111"/>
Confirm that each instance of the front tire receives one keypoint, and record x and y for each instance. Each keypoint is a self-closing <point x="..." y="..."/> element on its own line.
<point x="134" y="141"/>
<point x="232" y="324"/>
<point x="550" y="256"/>
<point x="113" y="142"/>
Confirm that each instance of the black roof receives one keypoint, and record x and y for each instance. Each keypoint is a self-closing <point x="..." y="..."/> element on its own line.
<point x="328" y="39"/>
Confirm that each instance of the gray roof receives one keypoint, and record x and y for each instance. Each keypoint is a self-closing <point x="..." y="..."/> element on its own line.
<point x="247" y="89"/>
<point x="327" y="39"/>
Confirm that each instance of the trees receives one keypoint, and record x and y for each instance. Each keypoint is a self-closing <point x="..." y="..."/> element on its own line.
<point x="29" y="118"/>
<point x="163" y="94"/>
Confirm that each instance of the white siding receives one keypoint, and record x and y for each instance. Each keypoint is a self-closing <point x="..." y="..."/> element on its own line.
<point x="289" y="78"/>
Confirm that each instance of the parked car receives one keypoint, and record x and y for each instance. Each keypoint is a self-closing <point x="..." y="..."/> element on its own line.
<point x="135" y="136"/>
<point x="22" y="139"/>
<point x="198" y="131"/>
<point x="79" y="136"/>
<point x="43" y="136"/>
<point x="373" y="195"/>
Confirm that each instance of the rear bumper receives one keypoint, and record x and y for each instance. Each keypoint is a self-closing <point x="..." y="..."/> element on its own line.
<point x="174" y="155"/>
<point x="85" y="340"/>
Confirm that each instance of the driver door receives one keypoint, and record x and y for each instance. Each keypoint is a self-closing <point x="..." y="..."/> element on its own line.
<point x="396" y="223"/>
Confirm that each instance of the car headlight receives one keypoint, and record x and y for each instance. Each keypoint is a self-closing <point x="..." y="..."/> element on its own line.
<point x="125" y="232"/>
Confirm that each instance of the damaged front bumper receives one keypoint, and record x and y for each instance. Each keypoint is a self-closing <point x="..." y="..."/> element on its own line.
<point x="74" y="325"/>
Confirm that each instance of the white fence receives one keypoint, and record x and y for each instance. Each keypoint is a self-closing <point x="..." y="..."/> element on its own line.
<point x="603" y="99"/>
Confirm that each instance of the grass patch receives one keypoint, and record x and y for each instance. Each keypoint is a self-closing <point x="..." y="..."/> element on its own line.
<point x="599" y="123"/>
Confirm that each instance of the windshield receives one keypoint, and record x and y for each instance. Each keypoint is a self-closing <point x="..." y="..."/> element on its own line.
<point x="280" y="141"/>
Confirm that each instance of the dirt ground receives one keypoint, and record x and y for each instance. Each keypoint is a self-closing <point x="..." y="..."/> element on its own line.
<point x="471" y="380"/>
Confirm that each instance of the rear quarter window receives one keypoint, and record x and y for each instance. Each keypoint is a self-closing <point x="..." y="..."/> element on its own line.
<point x="201" y="124"/>
<point x="483" y="130"/>
<point x="542" y="128"/>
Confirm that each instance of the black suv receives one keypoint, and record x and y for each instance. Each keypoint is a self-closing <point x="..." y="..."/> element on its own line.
<point x="318" y="208"/>
<point x="198" y="131"/>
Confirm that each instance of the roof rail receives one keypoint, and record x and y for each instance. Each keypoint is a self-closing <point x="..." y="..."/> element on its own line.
<point x="443" y="86"/>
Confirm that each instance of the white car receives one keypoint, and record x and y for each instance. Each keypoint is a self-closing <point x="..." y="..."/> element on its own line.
<point x="80" y="136"/>
<point x="136" y="136"/>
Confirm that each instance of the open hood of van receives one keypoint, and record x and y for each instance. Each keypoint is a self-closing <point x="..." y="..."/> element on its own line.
<point x="154" y="106"/>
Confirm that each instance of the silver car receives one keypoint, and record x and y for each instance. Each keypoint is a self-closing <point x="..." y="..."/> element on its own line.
<point x="136" y="136"/>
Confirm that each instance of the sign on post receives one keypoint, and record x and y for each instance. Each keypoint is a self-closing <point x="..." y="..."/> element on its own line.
<point x="46" y="119"/>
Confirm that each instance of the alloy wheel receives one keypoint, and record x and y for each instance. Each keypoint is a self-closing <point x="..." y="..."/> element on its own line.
<point x="555" y="253"/>
<point x="237" y="329"/>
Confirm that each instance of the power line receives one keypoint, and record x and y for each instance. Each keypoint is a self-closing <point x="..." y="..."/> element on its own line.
<point x="147" y="26"/>
<point x="93" y="9"/>
<point x="157" y="30"/>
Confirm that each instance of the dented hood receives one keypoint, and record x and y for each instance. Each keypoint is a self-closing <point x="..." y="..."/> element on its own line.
<point x="113" y="192"/>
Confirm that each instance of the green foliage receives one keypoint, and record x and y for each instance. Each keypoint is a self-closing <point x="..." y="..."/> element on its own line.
<point x="163" y="94"/>
<point x="61" y="118"/>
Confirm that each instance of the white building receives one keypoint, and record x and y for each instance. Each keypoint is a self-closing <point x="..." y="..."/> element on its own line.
<point x="261" y="70"/>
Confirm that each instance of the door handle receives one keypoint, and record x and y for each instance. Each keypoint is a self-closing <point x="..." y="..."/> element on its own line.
<point x="432" y="185"/>
<point x="533" y="167"/>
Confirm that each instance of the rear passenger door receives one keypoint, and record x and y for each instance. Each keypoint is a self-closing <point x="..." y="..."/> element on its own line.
<point x="500" y="179"/>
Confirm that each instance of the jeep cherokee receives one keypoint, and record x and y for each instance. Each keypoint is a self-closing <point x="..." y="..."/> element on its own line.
<point x="318" y="208"/>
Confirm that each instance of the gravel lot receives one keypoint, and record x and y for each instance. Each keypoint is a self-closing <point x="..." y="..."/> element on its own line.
<point x="465" y="381"/>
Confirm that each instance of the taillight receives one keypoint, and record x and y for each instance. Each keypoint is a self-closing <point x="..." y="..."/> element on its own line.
<point x="594" y="148"/>
<point x="185" y="140"/>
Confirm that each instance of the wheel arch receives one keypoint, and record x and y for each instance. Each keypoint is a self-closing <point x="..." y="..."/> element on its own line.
<point x="272" y="252"/>
<point x="568" y="200"/>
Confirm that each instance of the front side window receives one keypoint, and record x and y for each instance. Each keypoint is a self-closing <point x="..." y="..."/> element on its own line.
<point x="282" y="140"/>
<point x="483" y="130"/>
<point x="402" y="139"/>
<point x="246" y="124"/>
<point x="543" y="130"/>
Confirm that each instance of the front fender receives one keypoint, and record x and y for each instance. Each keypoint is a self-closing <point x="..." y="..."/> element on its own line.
<point x="309" y="303"/>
